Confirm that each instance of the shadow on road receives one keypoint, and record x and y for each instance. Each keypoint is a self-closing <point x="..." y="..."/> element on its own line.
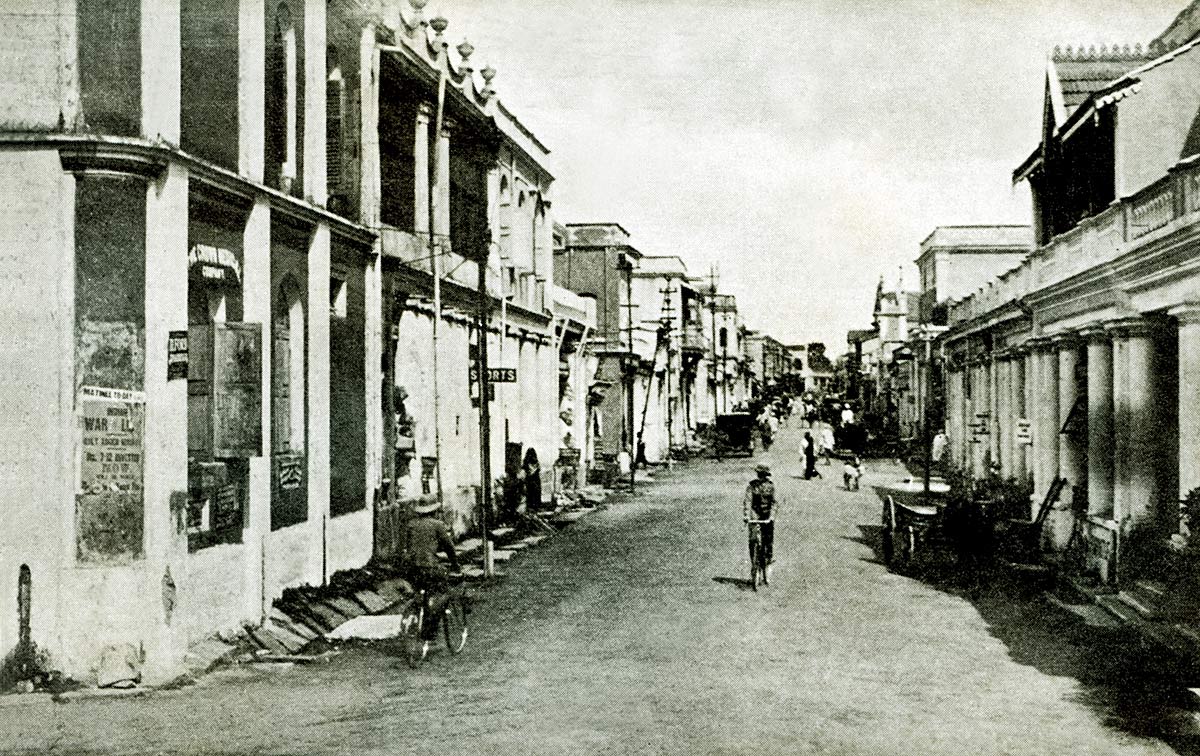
<point x="1133" y="687"/>
<point x="740" y="583"/>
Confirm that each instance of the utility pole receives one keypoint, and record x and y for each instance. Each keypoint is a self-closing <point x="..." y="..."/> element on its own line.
<point x="712" y="307"/>
<point x="667" y="326"/>
<point x="625" y="264"/>
<point x="485" y="419"/>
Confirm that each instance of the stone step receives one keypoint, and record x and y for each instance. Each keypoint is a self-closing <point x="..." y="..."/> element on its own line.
<point x="346" y="607"/>
<point x="469" y="546"/>
<point x="1118" y="608"/>
<point x="372" y="601"/>
<point x="1145" y="605"/>
<point x="499" y="534"/>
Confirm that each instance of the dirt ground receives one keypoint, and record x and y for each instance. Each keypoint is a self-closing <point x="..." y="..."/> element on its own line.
<point x="634" y="632"/>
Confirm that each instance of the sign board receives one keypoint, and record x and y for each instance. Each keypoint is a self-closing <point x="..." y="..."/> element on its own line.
<point x="109" y="506"/>
<point x="1024" y="432"/>
<point x="177" y="355"/>
<point x="495" y="375"/>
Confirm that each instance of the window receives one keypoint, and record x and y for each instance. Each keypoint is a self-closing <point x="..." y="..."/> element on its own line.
<point x="281" y="100"/>
<point x="335" y="108"/>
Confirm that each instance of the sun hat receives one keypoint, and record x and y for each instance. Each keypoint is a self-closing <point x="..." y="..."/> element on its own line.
<point x="427" y="504"/>
<point x="762" y="470"/>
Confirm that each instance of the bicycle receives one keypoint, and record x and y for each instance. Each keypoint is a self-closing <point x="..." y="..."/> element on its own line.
<point x="417" y="633"/>
<point x="758" y="555"/>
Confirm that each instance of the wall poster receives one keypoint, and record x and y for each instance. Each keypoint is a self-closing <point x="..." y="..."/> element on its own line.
<point x="108" y="501"/>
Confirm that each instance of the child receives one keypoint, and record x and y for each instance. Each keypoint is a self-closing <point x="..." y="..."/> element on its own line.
<point x="852" y="472"/>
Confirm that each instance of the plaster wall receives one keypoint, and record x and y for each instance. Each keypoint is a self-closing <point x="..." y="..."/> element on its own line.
<point x="1159" y="125"/>
<point x="36" y="343"/>
<point x="39" y="65"/>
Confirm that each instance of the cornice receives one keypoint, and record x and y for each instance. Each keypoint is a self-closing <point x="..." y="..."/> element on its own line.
<point x="1187" y="313"/>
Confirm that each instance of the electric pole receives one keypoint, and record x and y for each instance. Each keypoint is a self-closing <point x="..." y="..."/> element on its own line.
<point x="625" y="264"/>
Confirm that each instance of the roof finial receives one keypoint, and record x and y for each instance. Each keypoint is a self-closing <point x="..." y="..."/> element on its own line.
<point x="488" y="73"/>
<point x="439" y="24"/>
<point x="465" y="49"/>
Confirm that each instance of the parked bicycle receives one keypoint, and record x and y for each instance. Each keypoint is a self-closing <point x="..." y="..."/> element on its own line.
<point x="423" y="615"/>
<point x="758" y="555"/>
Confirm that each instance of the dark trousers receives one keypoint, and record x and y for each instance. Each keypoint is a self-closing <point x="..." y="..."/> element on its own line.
<point x="767" y="530"/>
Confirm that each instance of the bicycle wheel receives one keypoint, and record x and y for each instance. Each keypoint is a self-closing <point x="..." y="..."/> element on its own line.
<point x="754" y="560"/>
<point x="412" y="633"/>
<point x="454" y="623"/>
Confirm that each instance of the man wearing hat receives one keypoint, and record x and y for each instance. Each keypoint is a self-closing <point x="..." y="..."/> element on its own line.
<point x="759" y="504"/>
<point x="424" y="535"/>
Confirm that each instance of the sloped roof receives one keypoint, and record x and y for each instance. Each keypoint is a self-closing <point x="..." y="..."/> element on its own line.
<point x="1080" y="73"/>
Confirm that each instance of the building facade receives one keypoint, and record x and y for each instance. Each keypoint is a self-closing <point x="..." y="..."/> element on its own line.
<point x="1080" y="363"/>
<point x="224" y="219"/>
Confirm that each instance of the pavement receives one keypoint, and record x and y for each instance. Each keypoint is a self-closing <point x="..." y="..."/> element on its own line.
<point x="635" y="631"/>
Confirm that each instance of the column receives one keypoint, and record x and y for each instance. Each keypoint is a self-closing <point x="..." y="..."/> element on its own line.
<point x="1136" y="425"/>
<point x="315" y="79"/>
<point x="991" y="372"/>
<point x="256" y="287"/>
<point x="318" y="403"/>
<point x="1029" y="387"/>
<point x="421" y="169"/>
<point x="1070" y="453"/>
<point x="165" y="453"/>
<point x="1070" y="457"/>
<point x="160" y="70"/>
<point x="252" y="87"/>
<point x="1046" y="432"/>
<point x="1016" y="408"/>
<point x="1189" y="398"/>
<point x="441" y="182"/>
<point x="1100" y="422"/>
<point x="1004" y="413"/>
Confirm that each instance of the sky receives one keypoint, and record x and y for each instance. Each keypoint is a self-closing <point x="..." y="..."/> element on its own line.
<point x="803" y="147"/>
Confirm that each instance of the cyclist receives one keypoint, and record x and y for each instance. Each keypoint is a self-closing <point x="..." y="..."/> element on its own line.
<point x="759" y="504"/>
<point x="424" y="535"/>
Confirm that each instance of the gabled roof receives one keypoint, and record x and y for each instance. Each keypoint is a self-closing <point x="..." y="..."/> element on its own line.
<point x="1077" y="74"/>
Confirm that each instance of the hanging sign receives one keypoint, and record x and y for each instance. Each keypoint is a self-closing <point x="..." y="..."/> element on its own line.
<point x="495" y="375"/>
<point x="177" y="355"/>
<point x="1024" y="432"/>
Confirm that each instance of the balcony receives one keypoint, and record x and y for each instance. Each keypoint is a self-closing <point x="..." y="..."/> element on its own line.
<point x="1130" y="223"/>
<point x="694" y="340"/>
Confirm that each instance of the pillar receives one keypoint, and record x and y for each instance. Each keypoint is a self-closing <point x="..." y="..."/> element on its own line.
<point x="1189" y="398"/>
<point x="315" y="78"/>
<point x="1100" y="422"/>
<point x="1070" y="456"/>
<point x="1002" y="425"/>
<point x="1135" y="425"/>
<point x="318" y="403"/>
<point x="165" y="452"/>
<point x="441" y="183"/>
<point x="992" y="372"/>
<point x="421" y="178"/>
<point x="1046" y="433"/>
<point x="160" y="70"/>
<point x="252" y="86"/>
<point x="1029" y="389"/>
<point x="256" y="288"/>
<point x="1016" y="408"/>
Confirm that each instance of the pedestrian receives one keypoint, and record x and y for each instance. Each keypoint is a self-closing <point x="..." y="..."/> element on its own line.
<point x="847" y="415"/>
<point x="851" y="473"/>
<point x="531" y="474"/>
<point x="759" y="504"/>
<point x="828" y="443"/>
<point x="810" y="457"/>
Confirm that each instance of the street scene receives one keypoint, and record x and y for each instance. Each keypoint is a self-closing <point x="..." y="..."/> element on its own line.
<point x="634" y="631"/>
<point x="533" y="376"/>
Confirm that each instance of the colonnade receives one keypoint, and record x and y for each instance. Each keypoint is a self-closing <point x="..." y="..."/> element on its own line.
<point x="1128" y="449"/>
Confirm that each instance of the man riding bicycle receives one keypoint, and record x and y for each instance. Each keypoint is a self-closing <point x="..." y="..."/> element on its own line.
<point x="759" y="504"/>
<point x="424" y="535"/>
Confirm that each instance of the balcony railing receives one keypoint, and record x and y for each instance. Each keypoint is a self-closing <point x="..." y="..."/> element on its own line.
<point x="1169" y="202"/>
<point x="694" y="339"/>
